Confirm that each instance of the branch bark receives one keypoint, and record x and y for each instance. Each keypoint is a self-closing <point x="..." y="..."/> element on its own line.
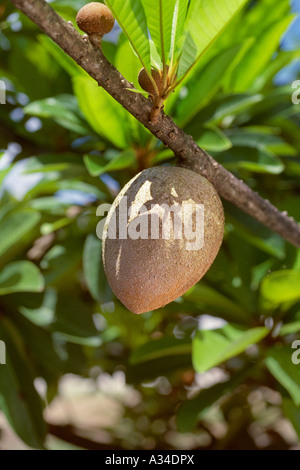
<point x="184" y="147"/>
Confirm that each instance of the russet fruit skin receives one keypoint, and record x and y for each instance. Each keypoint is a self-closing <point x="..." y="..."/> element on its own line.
<point x="95" y="18"/>
<point x="145" y="82"/>
<point x="147" y="274"/>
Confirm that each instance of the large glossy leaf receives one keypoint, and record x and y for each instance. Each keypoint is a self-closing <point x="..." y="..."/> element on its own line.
<point x="279" y="363"/>
<point x="74" y="321"/>
<point x="15" y="226"/>
<point x="263" y="138"/>
<point x="179" y="17"/>
<point x="65" y="61"/>
<point x="281" y="286"/>
<point x="63" y="109"/>
<point x="127" y="62"/>
<point x="205" y="22"/>
<point x="216" y="302"/>
<point x="40" y="310"/>
<point x="213" y="140"/>
<point x="290" y="328"/>
<point x="60" y="262"/>
<point x="261" y="15"/>
<point x="129" y="65"/>
<point x="148" y="370"/>
<point x="55" y="356"/>
<point x="266" y="76"/>
<point x="254" y="160"/>
<point x="213" y="347"/>
<point x="159" y="14"/>
<point x="96" y="167"/>
<point x="18" y="397"/>
<point x="161" y="349"/>
<point x="20" y="276"/>
<point x="131" y="17"/>
<point x="205" y="85"/>
<point x="259" y="55"/>
<point x="253" y="232"/>
<point x="93" y="270"/>
<point x="105" y="115"/>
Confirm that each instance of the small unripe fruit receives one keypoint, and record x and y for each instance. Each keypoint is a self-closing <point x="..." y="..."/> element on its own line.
<point x="147" y="273"/>
<point x="145" y="82"/>
<point x="95" y="18"/>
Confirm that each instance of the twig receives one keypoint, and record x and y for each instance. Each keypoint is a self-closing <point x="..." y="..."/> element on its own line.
<point x="184" y="147"/>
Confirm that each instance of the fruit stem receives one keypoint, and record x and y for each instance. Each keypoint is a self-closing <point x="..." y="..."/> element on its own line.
<point x="158" y="104"/>
<point x="95" y="39"/>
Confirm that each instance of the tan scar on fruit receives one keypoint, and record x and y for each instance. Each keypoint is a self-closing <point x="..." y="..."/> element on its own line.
<point x="146" y="274"/>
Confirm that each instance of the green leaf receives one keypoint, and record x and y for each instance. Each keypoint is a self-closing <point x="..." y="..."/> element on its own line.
<point x="281" y="286"/>
<point x="96" y="167"/>
<point x="160" y="349"/>
<point x="64" y="60"/>
<point x="213" y="347"/>
<point x="205" y="85"/>
<point x="104" y="114"/>
<point x="228" y="106"/>
<point x="192" y="410"/>
<point x="74" y="321"/>
<point x="265" y="77"/>
<point x="261" y="137"/>
<point x="257" y="161"/>
<point x="253" y="232"/>
<point x="56" y="357"/>
<point x="259" y="55"/>
<point x="54" y="163"/>
<point x="261" y="15"/>
<point x="47" y="227"/>
<point x="217" y="302"/>
<point x="205" y="22"/>
<point x="18" y="397"/>
<point x="127" y="62"/>
<point x="93" y="270"/>
<point x="292" y="412"/>
<point x="137" y="373"/>
<point x="156" y="61"/>
<point x="159" y="15"/>
<point x="290" y="328"/>
<point x="15" y="226"/>
<point x="180" y="12"/>
<point x="213" y="140"/>
<point x="20" y="276"/>
<point x="60" y="262"/>
<point x="63" y="109"/>
<point x="131" y="18"/>
<point x="41" y="309"/>
<point x="129" y="65"/>
<point x="279" y="362"/>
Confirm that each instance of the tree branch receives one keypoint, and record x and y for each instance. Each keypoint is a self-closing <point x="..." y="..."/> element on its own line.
<point x="184" y="147"/>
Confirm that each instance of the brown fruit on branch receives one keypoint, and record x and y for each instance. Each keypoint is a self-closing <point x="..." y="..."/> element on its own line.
<point x="95" y="18"/>
<point x="145" y="82"/>
<point x="148" y="272"/>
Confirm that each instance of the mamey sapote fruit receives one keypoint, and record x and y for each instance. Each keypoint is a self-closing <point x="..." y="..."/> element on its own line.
<point x="95" y="18"/>
<point x="147" y="273"/>
<point x="145" y="82"/>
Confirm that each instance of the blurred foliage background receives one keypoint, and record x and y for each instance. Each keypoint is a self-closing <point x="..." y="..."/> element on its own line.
<point x="211" y="370"/>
